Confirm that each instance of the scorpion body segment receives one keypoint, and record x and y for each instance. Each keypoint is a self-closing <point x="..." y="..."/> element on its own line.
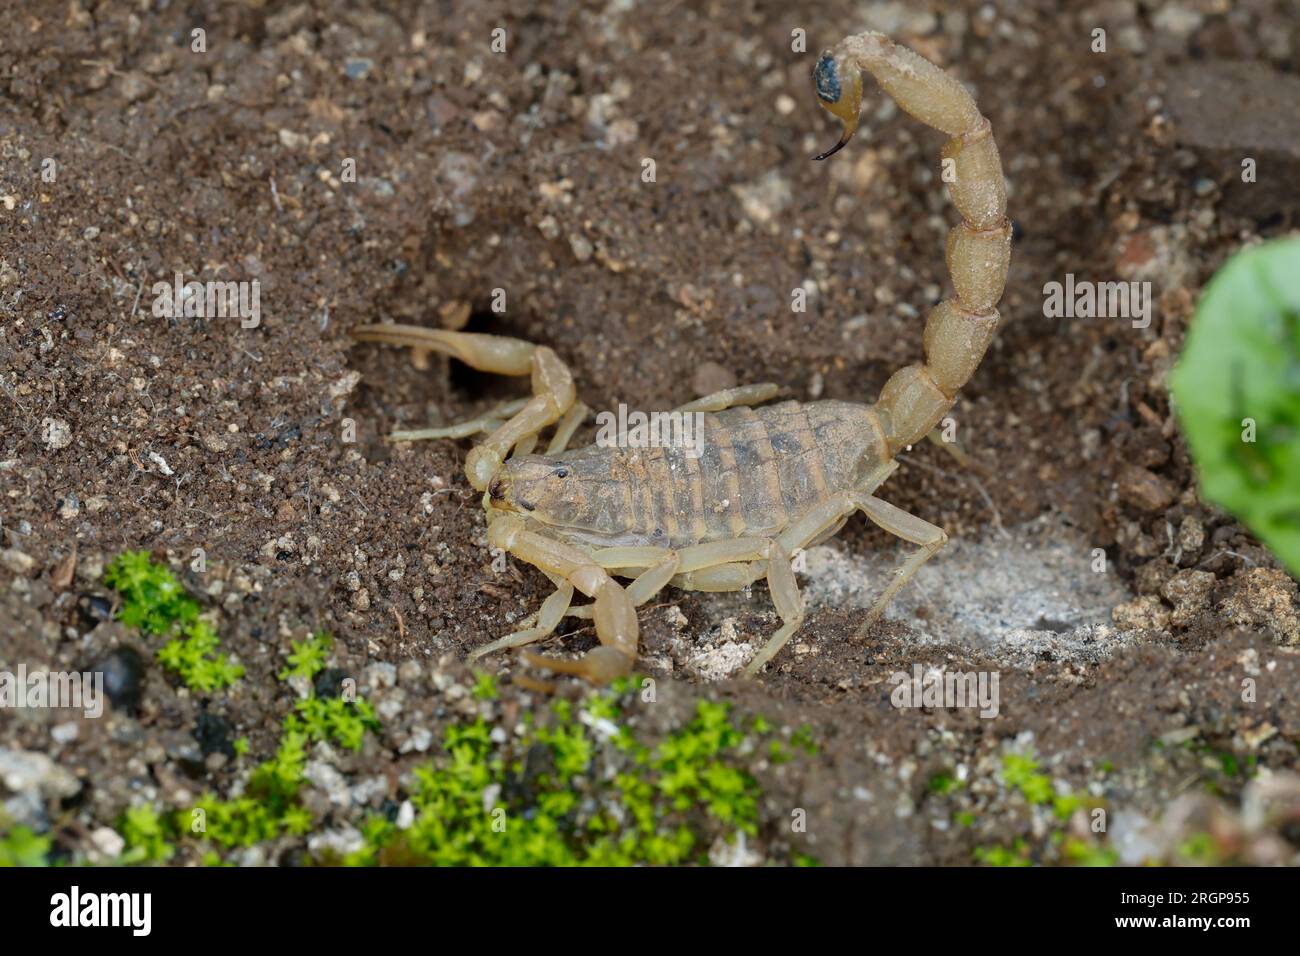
<point x="758" y="483"/>
<point x="958" y="330"/>
<point x="752" y="472"/>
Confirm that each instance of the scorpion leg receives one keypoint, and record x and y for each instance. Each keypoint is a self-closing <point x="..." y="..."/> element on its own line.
<point x="714" y="566"/>
<point x="488" y="423"/>
<point x="548" y="619"/>
<point x="732" y="397"/>
<point x="831" y="513"/>
<point x="908" y="527"/>
<point x="726" y="566"/>
<point x="953" y="449"/>
<point x="553" y="391"/>
<point x="781" y="579"/>
<point x="722" y="566"/>
<point x="893" y="519"/>
<point x="652" y="579"/>
<point x="732" y="576"/>
<point x="574" y="417"/>
<point x="789" y="605"/>
<point x="732" y="565"/>
<point x="613" y="611"/>
<point x="644" y="564"/>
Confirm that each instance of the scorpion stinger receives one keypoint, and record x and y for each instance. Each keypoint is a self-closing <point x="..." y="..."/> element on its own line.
<point x="839" y="90"/>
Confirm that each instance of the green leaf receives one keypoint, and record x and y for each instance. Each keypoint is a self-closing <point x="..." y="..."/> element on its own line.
<point x="1237" y="393"/>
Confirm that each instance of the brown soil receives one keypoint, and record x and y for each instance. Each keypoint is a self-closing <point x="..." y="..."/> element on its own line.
<point x="522" y="172"/>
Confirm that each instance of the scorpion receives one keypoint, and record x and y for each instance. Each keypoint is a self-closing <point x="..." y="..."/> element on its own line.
<point x="767" y="479"/>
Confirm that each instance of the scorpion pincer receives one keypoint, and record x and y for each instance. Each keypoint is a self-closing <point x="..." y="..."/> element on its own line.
<point x="764" y="481"/>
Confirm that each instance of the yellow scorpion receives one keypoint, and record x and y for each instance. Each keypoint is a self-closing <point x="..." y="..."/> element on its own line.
<point x="763" y="481"/>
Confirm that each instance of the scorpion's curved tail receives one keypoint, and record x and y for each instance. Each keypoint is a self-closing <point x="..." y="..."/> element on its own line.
<point x="958" y="330"/>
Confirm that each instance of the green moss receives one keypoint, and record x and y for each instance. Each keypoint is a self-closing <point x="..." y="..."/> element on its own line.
<point x="554" y="806"/>
<point x="779" y="751"/>
<point x="803" y="739"/>
<point x="1225" y="770"/>
<point x="155" y="602"/>
<point x="270" y="806"/>
<point x="307" y="658"/>
<point x="333" y="719"/>
<point x="943" y="784"/>
<point x="1021" y="773"/>
<point x="1201" y="848"/>
<point x="1082" y="853"/>
<point x="146" y="835"/>
<point x="194" y="657"/>
<point x="21" y="846"/>
<point x="152" y="599"/>
<point x="1016" y="855"/>
<point x="485" y="686"/>
<point x="576" y="788"/>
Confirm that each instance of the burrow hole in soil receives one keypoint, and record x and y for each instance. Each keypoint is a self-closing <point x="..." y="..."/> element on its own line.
<point x="469" y="384"/>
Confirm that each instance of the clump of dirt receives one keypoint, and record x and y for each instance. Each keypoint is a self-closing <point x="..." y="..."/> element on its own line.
<point x="508" y="192"/>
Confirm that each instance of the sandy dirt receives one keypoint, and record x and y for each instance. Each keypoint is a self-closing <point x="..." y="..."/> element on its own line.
<point x="1116" y="607"/>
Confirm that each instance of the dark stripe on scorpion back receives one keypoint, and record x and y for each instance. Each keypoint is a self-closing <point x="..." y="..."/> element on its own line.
<point x="761" y="507"/>
<point x="758" y="470"/>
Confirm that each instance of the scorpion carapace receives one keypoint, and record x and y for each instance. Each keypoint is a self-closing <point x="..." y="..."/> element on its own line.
<point x="759" y="483"/>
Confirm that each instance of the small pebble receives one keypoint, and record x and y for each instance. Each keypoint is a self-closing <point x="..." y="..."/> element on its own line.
<point x="124" y="672"/>
<point x="409" y="672"/>
<point x="358" y="67"/>
<point x="108" y="842"/>
<point x="16" y="561"/>
<point x="56" y="433"/>
<point x="1144" y="489"/>
<point x="65" y="733"/>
